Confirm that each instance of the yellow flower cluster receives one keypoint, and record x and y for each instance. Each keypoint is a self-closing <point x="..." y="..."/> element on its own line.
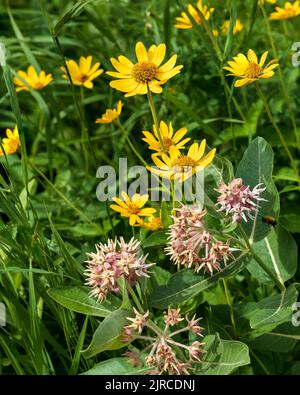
<point x="10" y="143"/>
<point x="82" y="73"/>
<point x="288" y="11"/>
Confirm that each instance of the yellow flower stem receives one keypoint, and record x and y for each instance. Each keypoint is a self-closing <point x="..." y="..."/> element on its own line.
<point x="155" y="119"/>
<point x="281" y="78"/>
<point x="282" y="140"/>
<point x="227" y="295"/>
<point x="134" y="150"/>
<point x="83" y="130"/>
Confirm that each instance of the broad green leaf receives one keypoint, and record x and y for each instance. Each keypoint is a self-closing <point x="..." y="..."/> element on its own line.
<point x="272" y="311"/>
<point x="256" y="167"/>
<point x="290" y="222"/>
<point x="282" y="339"/>
<point x="222" y="357"/>
<point x="116" y="366"/>
<point x="279" y="252"/>
<point x="108" y="335"/>
<point x="87" y="230"/>
<point x="187" y="284"/>
<point x="155" y="239"/>
<point x="78" y="299"/>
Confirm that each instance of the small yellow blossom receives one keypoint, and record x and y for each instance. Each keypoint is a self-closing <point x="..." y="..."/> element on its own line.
<point x="11" y="143"/>
<point x="181" y="167"/>
<point x="287" y="12"/>
<point x="262" y="2"/>
<point x="169" y="139"/>
<point x="133" y="208"/>
<point x="249" y="69"/>
<point x="153" y="223"/>
<point x="147" y="73"/>
<point x="184" y="22"/>
<point x="33" y="79"/>
<point x="82" y="73"/>
<point x="111" y="114"/>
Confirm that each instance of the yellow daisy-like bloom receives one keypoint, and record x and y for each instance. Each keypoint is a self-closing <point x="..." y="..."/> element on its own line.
<point x="11" y="143"/>
<point x="133" y="208"/>
<point x="147" y="73"/>
<point x="248" y="69"/>
<point x="111" y="114"/>
<point x="287" y="12"/>
<point x="153" y="223"/>
<point x="82" y="73"/>
<point x="184" y="21"/>
<point x="33" y="79"/>
<point x="225" y="28"/>
<point x="176" y="166"/>
<point x="262" y="2"/>
<point x="169" y="139"/>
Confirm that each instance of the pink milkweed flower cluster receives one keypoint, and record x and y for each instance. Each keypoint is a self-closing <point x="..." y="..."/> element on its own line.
<point x="191" y="245"/>
<point x="163" y="348"/>
<point x="238" y="199"/>
<point x="111" y="261"/>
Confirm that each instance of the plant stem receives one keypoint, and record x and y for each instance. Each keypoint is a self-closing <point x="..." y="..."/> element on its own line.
<point x="131" y="145"/>
<point x="227" y="295"/>
<point x="155" y="119"/>
<point x="282" y="140"/>
<point x="260" y="261"/>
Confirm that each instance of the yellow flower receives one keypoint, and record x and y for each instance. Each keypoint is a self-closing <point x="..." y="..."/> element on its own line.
<point x="33" y="79"/>
<point x="84" y="72"/>
<point x="249" y="69"/>
<point x="262" y="2"/>
<point x="153" y="223"/>
<point x="226" y="25"/>
<point x="236" y="29"/>
<point x="132" y="208"/>
<point x="289" y="11"/>
<point x="111" y="114"/>
<point x="184" y="21"/>
<point x="181" y="167"/>
<point x="135" y="79"/>
<point x="168" y="137"/>
<point x="11" y="143"/>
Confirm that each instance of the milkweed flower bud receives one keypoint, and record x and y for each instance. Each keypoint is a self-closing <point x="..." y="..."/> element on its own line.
<point x="238" y="199"/>
<point x="110" y="262"/>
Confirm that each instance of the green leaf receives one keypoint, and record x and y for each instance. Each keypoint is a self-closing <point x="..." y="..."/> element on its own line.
<point x="108" y="334"/>
<point x="87" y="230"/>
<point x="70" y="15"/>
<point x="187" y="284"/>
<point x="117" y="366"/>
<point x="155" y="239"/>
<point x="256" y="167"/>
<point x="290" y="222"/>
<point x="274" y="310"/>
<point x="222" y="357"/>
<point x="283" y="339"/>
<point x="279" y="252"/>
<point x="78" y="299"/>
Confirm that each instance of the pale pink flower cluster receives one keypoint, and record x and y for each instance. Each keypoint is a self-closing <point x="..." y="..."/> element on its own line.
<point x="110" y="262"/>
<point x="190" y="245"/>
<point x="238" y="199"/>
<point x="163" y="348"/>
